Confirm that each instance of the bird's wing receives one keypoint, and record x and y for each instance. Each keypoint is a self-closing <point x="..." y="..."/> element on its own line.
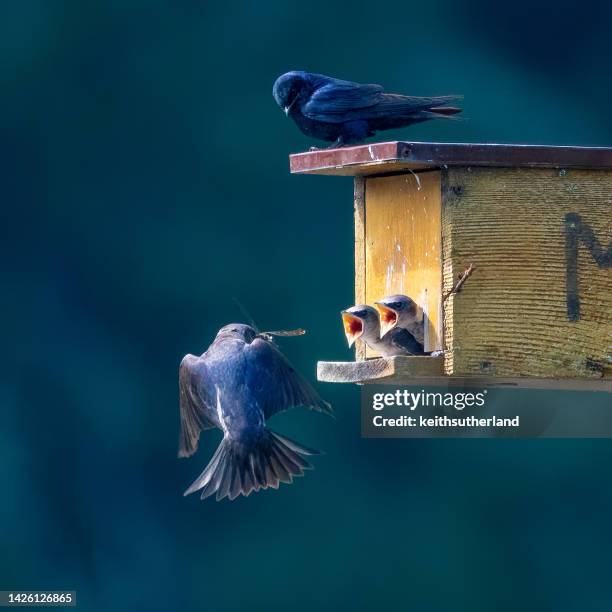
<point x="401" y="338"/>
<point x="276" y="385"/>
<point x="333" y="100"/>
<point x="196" y="413"/>
<point x="342" y="101"/>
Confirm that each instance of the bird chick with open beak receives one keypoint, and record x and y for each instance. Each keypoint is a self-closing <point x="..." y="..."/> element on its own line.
<point x="361" y="323"/>
<point x="400" y="311"/>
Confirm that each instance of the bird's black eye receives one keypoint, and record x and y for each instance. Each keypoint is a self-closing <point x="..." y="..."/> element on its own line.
<point x="234" y="330"/>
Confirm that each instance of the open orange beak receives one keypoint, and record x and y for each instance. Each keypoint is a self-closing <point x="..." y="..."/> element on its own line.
<point x="353" y="327"/>
<point x="387" y="316"/>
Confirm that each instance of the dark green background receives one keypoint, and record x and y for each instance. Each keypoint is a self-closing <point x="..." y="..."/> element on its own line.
<point x="144" y="183"/>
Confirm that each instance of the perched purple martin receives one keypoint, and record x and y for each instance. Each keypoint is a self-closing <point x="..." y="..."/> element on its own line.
<point x="361" y="322"/>
<point x="401" y="311"/>
<point x="345" y="113"/>
<point x="240" y="382"/>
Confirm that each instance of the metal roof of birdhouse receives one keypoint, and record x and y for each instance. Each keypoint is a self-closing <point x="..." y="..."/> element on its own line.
<point x="384" y="157"/>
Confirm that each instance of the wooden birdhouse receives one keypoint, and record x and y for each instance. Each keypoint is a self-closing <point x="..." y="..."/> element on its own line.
<point x="506" y="248"/>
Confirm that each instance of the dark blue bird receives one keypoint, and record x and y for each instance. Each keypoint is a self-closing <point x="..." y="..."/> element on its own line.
<point x="345" y="113"/>
<point x="240" y="382"/>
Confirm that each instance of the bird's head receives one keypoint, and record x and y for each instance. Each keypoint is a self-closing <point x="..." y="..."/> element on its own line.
<point x="360" y="320"/>
<point x="393" y="308"/>
<point x="289" y="89"/>
<point x="240" y="331"/>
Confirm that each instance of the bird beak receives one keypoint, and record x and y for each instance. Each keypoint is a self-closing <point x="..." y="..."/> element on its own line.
<point x="387" y="316"/>
<point x="353" y="327"/>
<point x="288" y="108"/>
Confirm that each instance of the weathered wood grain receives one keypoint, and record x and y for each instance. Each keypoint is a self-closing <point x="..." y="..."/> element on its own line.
<point x="379" y="370"/>
<point x="511" y="316"/>
<point x="402" y="244"/>
<point x="450" y="268"/>
<point x="360" y="266"/>
<point x="386" y="157"/>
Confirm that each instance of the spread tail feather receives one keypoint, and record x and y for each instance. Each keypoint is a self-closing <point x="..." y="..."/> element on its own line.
<point x="235" y="470"/>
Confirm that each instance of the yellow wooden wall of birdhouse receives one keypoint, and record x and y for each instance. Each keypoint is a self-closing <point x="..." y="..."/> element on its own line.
<point x="533" y="224"/>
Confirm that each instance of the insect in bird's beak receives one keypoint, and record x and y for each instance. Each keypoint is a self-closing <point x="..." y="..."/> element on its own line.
<point x="285" y="333"/>
<point x="353" y="327"/>
<point x="288" y="108"/>
<point x="387" y="316"/>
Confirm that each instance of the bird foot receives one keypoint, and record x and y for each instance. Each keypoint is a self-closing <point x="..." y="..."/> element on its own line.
<point x="338" y="144"/>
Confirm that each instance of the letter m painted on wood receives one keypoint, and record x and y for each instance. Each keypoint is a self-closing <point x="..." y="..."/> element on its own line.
<point x="576" y="232"/>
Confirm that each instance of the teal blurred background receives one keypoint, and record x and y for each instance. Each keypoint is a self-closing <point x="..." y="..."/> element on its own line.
<point x="144" y="183"/>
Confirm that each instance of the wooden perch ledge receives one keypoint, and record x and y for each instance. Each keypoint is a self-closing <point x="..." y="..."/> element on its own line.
<point x="376" y="370"/>
<point x="429" y="371"/>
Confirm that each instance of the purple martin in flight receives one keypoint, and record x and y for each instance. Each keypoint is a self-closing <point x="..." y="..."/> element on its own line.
<point x="237" y="385"/>
<point x="361" y="322"/>
<point x="346" y="113"/>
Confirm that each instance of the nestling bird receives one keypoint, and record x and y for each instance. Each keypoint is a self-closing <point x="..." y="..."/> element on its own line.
<point x="401" y="311"/>
<point x="345" y="113"/>
<point x="361" y="322"/>
<point x="237" y="385"/>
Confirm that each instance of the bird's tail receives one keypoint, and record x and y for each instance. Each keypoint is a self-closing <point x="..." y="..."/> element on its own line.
<point x="446" y="110"/>
<point x="237" y="470"/>
<point x="395" y="110"/>
<point x="397" y="104"/>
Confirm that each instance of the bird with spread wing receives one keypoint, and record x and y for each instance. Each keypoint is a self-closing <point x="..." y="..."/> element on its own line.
<point x="237" y="385"/>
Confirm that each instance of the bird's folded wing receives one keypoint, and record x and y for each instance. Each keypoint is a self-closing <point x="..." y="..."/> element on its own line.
<point x="345" y="106"/>
<point x="276" y="384"/>
<point x="196" y="414"/>
<point x="331" y="101"/>
<point x="403" y="339"/>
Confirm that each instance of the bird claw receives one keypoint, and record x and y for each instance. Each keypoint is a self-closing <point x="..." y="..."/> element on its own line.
<point x="338" y="144"/>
